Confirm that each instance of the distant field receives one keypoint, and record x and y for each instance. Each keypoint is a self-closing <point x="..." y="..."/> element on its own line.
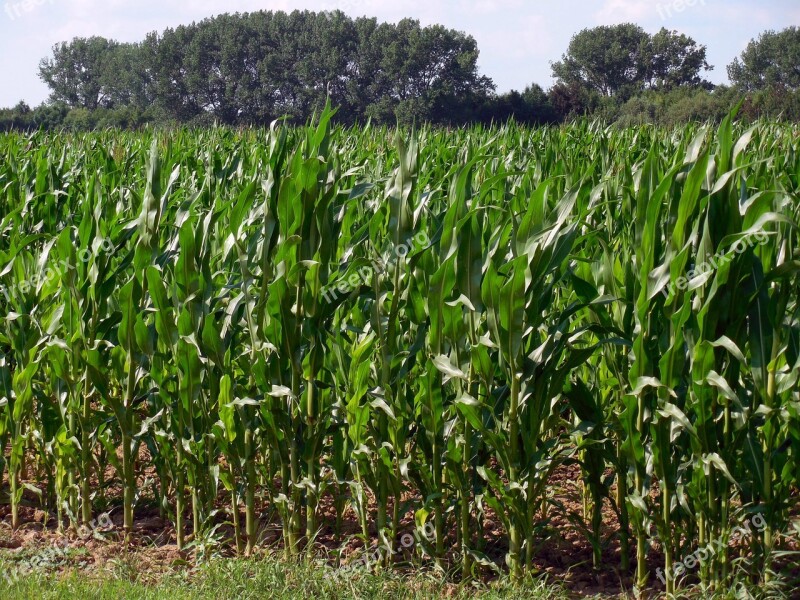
<point x="560" y="355"/>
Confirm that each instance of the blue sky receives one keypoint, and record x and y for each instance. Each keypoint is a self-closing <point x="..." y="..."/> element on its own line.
<point x="518" y="39"/>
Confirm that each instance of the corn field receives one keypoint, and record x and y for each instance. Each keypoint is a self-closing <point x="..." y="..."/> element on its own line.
<point x="391" y="323"/>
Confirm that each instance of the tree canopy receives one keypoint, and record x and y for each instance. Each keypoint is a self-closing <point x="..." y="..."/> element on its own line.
<point x="79" y="73"/>
<point x="771" y="60"/>
<point x="625" y="59"/>
<point x="254" y="67"/>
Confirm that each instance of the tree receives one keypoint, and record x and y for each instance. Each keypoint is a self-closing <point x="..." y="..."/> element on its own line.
<point x="22" y="108"/>
<point x="540" y="109"/>
<point x="621" y="60"/>
<point x="256" y="67"/>
<point x="166" y="57"/>
<point x="531" y="107"/>
<point x="572" y="100"/>
<point x="18" y="118"/>
<point x="771" y="61"/>
<point x="674" y="60"/>
<point x="78" y="72"/>
<point x="127" y="78"/>
<point x="607" y="59"/>
<point x="432" y="73"/>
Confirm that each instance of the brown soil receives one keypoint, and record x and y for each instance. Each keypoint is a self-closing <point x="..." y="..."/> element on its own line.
<point x="564" y="554"/>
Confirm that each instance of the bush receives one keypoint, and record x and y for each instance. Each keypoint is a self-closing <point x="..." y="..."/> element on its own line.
<point x="18" y="117"/>
<point x="776" y="102"/>
<point x="573" y="100"/>
<point x="676" y="107"/>
<point x="23" y="118"/>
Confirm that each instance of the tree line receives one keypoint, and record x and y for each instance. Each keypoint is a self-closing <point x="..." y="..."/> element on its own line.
<point x="253" y="68"/>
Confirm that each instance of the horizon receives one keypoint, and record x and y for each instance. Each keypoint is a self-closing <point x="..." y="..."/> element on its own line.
<point x="538" y="35"/>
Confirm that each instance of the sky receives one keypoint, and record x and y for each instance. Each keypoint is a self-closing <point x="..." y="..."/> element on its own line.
<point x="518" y="39"/>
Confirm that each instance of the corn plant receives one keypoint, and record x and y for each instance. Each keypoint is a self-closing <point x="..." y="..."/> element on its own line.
<point x="416" y="328"/>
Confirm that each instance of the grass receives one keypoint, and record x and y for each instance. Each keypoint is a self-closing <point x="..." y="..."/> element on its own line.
<point x="255" y="578"/>
<point x="277" y="578"/>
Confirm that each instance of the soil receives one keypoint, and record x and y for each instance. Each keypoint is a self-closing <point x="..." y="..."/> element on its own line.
<point x="564" y="554"/>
